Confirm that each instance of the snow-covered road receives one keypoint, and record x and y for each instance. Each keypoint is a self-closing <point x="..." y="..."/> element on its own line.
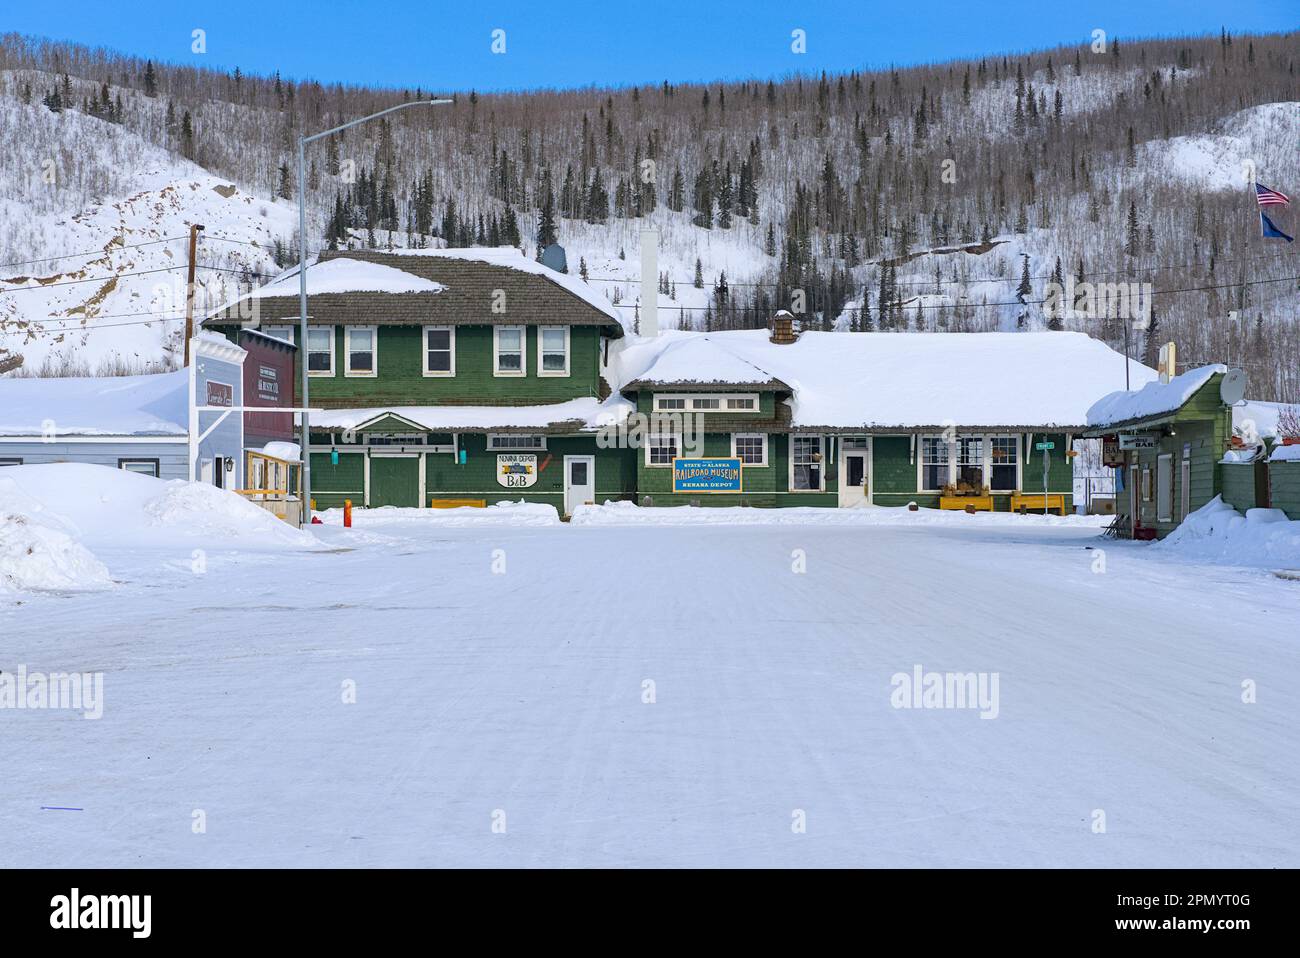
<point x="516" y="699"/>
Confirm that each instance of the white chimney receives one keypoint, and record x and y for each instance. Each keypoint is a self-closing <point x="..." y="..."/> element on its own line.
<point x="649" y="282"/>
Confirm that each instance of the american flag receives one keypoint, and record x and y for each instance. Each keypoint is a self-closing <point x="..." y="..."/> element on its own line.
<point x="1266" y="197"/>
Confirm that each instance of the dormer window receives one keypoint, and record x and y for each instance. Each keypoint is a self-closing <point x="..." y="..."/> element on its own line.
<point x="707" y="402"/>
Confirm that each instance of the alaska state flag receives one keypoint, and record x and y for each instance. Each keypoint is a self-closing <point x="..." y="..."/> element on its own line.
<point x="1267" y="228"/>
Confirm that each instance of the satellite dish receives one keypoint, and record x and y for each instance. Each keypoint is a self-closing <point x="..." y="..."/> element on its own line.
<point x="1232" y="388"/>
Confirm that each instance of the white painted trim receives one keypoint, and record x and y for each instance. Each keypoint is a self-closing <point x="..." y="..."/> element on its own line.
<point x="424" y="352"/>
<point x="307" y="351"/>
<point x="506" y="435"/>
<point x="523" y="352"/>
<point x="691" y="398"/>
<point x="421" y="470"/>
<point x="568" y="354"/>
<point x="767" y="455"/>
<point x="365" y="479"/>
<point x="347" y="351"/>
<point x="677" y="449"/>
<point x="821" y="473"/>
<point x="591" y="474"/>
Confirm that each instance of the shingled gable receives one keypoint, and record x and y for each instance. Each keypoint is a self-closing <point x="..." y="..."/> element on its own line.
<point x="531" y="296"/>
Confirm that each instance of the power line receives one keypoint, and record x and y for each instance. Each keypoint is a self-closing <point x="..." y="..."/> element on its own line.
<point x="112" y="276"/>
<point x="1014" y="302"/>
<point x="93" y="252"/>
<point x="964" y="282"/>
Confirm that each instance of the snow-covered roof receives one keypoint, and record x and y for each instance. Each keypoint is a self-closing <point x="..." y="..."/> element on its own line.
<point x="905" y="381"/>
<point x="1153" y="399"/>
<point x="701" y="360"/>
<point x="1285" y="454"/>
<point x="152" y="405"/>
<point x="511" y="258"/>
<point x="585" y="413"/>
<point x="1257" y="418"/>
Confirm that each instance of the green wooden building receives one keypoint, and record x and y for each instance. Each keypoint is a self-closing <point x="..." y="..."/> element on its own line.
<point x="447" y="377"/>
<point x="1176" y="445"/>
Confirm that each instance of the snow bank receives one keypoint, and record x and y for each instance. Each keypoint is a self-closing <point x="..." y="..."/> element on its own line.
<point x="109" y="509"/>
<point x="150" y="405"/>
<point x="36" y="551"/>
<point x="504" y="513"/>
<point x="1219" y="533"/>
<point x="629" y="513"/>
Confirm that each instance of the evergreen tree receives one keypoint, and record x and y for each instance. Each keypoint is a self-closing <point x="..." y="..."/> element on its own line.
<point x="699" y="274"/>
<point x="1133" y="243"/>
<point x="150" y="80"/>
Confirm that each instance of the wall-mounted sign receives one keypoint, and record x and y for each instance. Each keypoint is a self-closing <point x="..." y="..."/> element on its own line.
<point x="1111" y="455"/>
<point x="517" y="470"/>
<point x="1138" y="441"/>
<point x="220" y="394"/>
<point x="268" y="384"/>
<point x="706" y="475"/>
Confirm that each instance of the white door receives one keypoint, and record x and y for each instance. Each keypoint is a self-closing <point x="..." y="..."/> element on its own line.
<point x="853" y="479"/>
<point x="579" y="482"/>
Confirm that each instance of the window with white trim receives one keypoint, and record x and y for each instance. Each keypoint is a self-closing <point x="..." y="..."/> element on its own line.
<point x="970" y="462"/>
<point x="283" y="333"/>
<point x="439" y="350"/>
<point x="552" y="350"/>
<point x="1004" y="457"/>
<point x="516" y="441"/>
<point x="1164" y="487"/>
<point x="320" y="350"/>
<point x="143" y="467"/>
<point x="362" y="350"/>
<point x="750" y="448"/>
<point x="661" y="450"/>
<point x="712" y="402"/>
<point x="934" y="462"/>
<point x="806" y="473"/>
<point x="509" y="348"/>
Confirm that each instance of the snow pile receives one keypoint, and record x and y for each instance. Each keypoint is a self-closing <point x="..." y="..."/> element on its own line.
<point x="504" y="513"/>
<point x="208" y="513"/>
<point x="625" y="513"/>
<point x="1153" y="399"/>
<point x="111" y="510"/>
<point x="1289" y="453"/>
<point x="1219" y="533"/>
<point x="36" y="551"/>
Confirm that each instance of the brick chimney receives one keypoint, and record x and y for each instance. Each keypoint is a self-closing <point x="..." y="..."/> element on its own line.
<point x="783" y="328"/>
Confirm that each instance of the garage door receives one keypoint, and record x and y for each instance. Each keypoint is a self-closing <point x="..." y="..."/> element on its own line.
<point x="394" y="481"/>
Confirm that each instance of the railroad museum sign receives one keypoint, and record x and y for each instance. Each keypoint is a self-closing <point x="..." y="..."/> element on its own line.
<point x="706" y="475"/>
<point x="517" y="470"/>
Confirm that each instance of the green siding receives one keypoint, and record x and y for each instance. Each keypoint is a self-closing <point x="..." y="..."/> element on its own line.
<point x="331" y="484"/>
<point x="1284" y="485"/>
<point x="394" y="481"/>
<point x="1239" y="485"/>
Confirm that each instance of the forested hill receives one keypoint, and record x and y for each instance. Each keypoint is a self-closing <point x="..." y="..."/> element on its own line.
<point x="939" y="197"/>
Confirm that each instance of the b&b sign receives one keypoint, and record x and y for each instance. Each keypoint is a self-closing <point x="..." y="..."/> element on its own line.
<point x="516" y="470"/>
<point x="706" y="475"/>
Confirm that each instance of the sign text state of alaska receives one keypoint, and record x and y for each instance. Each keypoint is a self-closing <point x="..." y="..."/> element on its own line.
<point x="706" y="475"/>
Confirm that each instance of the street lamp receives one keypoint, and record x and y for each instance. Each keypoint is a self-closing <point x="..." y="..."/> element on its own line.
<point x="305" y="512"/>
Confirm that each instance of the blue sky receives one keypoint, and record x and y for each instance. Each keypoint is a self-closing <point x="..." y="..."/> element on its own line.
<point x="447" y="46"/>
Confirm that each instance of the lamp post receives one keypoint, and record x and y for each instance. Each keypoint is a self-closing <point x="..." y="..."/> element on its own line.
<point x="305" y="512"/>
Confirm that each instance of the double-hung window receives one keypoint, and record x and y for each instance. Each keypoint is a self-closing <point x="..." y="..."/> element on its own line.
<point x="320" y="350"/>
<point x="661" y="450"/>
<point x="439" y="351"/>
<point x="970" y="462"/>
<point x="553" y="351"/>
<point x="750" y="448"/>
<point x="934" y="462"/>
<point x="1005" y="453"/>
<point x="282" y="332"/>
<point x="806" y="463"/>
<point x="362" y="351"/>
<point x="509" y="349"/>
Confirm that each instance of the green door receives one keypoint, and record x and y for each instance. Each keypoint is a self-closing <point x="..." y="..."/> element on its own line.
<point x="394" y="481"/>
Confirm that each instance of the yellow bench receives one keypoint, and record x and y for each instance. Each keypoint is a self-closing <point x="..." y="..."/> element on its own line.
<point x="961" y="503"/>
<point x="437" y="503"/>
<point x="1033" y="502"/>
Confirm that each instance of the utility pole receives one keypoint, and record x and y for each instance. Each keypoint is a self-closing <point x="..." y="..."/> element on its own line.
<point x="195" y="229"/>
<point x="305" y="435"/>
